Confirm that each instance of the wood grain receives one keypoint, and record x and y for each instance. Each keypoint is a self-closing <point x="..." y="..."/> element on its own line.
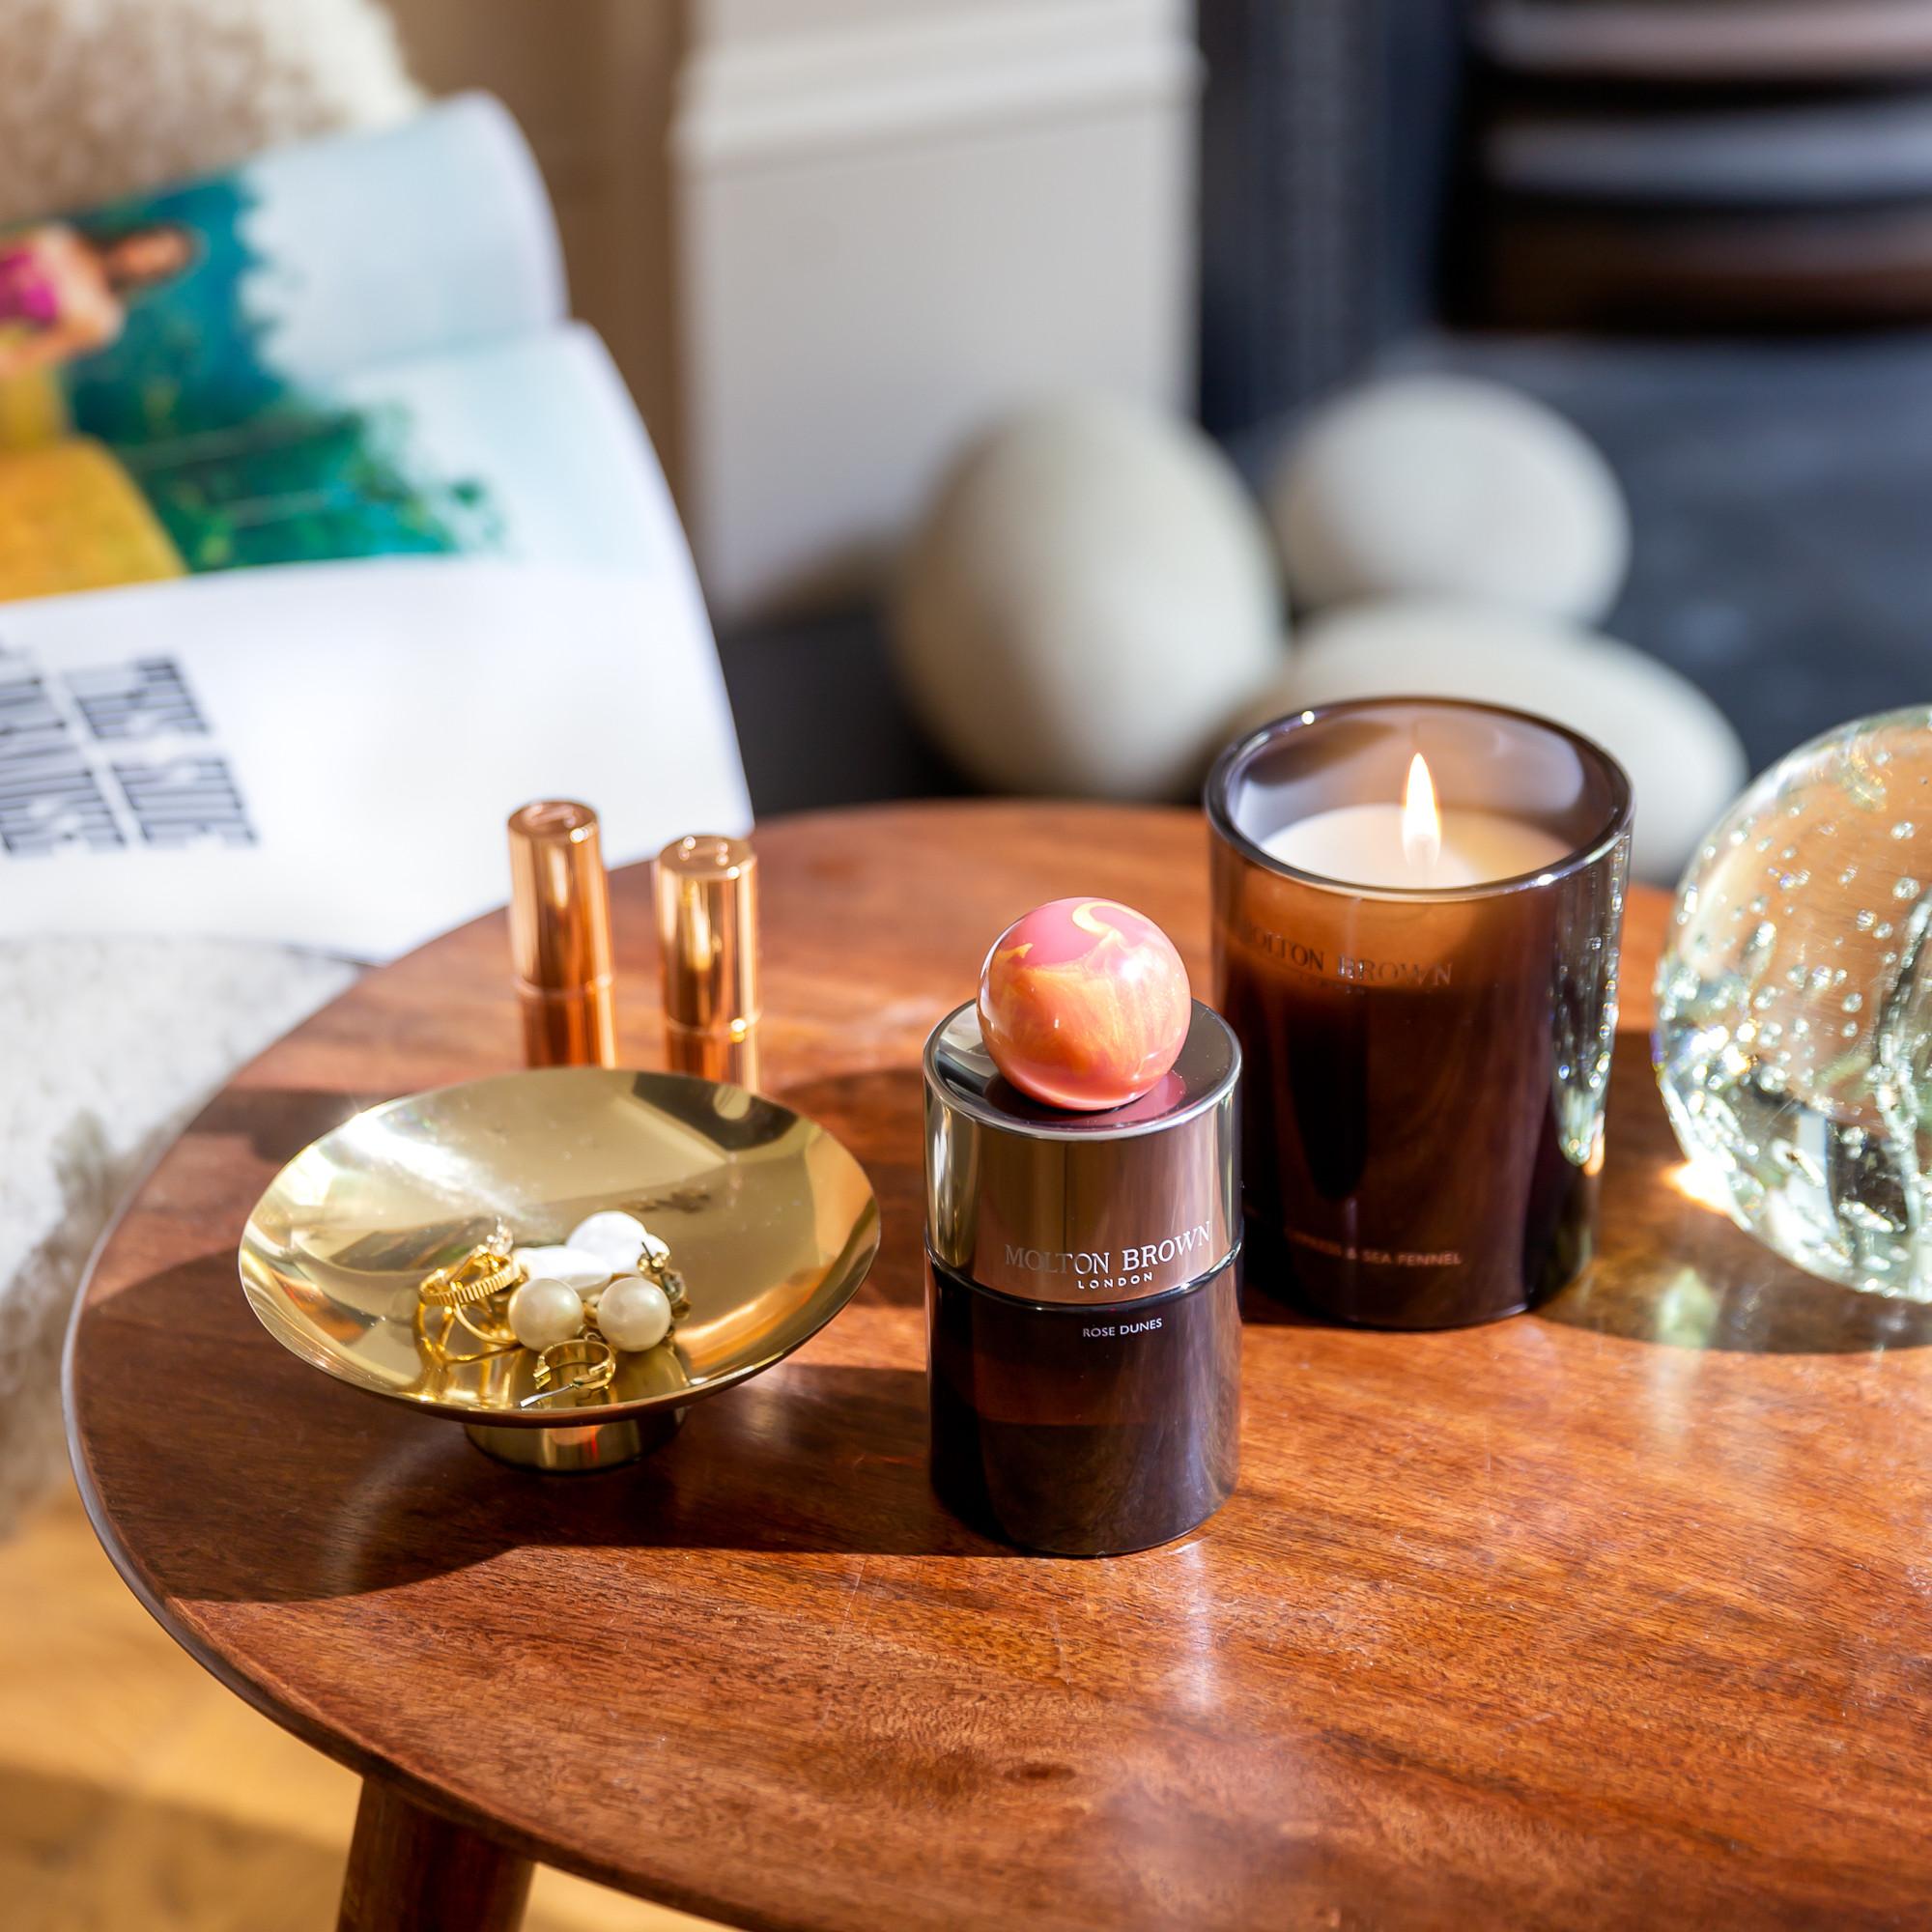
<point x="1607" y="1616"/>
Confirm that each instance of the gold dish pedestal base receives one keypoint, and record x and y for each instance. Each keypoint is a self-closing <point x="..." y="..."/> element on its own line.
<point x="577" y="1449"/>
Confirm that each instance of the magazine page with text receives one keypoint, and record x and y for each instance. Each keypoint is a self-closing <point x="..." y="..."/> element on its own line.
<point x="325" y="755"/>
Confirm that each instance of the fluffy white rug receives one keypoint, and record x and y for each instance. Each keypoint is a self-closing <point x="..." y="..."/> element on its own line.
<point x="106" y="1047"/>
<point x="106" y="97"/>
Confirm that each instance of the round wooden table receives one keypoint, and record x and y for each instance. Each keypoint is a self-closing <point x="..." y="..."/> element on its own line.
<point x="1616" y="1614"/>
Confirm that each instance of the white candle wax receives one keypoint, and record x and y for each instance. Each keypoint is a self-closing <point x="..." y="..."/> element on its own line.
<point x="1362" y="845"/>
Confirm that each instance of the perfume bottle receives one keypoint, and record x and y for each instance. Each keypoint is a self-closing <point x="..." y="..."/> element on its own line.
<point x="1083" y="1299"/>
<point x="1794" y="999"/>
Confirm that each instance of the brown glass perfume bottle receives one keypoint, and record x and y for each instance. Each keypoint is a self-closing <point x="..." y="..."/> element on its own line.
<point x="1083" y="1299"/>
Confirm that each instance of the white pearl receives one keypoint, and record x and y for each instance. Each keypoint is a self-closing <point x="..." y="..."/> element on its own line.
<point x="542" y="1312"/>
<point x="634" y="1313"/>
<point x="575" y="1267"/>
<point x="612" y="1236"/>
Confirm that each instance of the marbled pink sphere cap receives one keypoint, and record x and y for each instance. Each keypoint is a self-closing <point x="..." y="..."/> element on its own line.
<point x="1084" y="1004"/>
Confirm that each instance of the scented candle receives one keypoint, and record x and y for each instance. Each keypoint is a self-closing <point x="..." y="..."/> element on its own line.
<point x="1417" y="906"/>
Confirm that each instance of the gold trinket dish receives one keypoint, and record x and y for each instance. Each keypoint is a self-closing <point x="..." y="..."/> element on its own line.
<point x="773" y="1223"/>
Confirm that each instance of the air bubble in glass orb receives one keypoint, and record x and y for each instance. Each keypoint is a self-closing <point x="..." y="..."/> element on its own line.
<point x="1820" y="1125"/>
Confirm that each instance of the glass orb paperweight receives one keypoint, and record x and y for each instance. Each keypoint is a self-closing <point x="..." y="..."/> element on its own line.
<point x="1794" y="1000"/>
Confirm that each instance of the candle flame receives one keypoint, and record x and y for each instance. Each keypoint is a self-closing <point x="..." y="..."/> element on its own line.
<point x="1421" y="822"/>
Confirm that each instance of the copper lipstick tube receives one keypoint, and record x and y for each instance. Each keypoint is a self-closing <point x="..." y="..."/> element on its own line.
<point x="707" y="911"/>
<point x="560" y="935"/>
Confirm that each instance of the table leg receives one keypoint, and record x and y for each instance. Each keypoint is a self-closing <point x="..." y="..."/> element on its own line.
<point x="411" y="1871"/>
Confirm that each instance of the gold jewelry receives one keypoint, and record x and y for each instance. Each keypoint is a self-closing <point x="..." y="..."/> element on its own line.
<point x="461" y="1295"/>
<point x="654" y="1264"/>
<point x="490" y="1324"/>
<point x="470" y="1295"/>
<point x="672" y="1281"/>
<point x="443" y="1332"/>
<point x="584" y="1364"/>
<point x="486" y="1270"/>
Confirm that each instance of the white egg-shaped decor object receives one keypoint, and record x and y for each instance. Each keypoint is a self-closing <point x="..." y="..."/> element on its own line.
<point x="1090" y="594"/>
<point x="1684" y="759"/>
<point x="1449" y="485"/>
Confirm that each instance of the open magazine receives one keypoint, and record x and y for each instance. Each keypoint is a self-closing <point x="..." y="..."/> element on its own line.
<point x="326" y="541"/>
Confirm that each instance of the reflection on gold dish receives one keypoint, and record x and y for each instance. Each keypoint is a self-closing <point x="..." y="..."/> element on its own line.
<point x="773" y="1222"/>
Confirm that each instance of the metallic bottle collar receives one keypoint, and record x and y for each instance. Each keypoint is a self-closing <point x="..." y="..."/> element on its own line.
<point x="1082" y="1208"/>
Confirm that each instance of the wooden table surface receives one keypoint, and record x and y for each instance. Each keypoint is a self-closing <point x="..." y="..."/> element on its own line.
<point x="1615" y="1614"/>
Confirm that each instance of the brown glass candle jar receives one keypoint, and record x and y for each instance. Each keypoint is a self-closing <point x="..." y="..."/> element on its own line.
<point x="1083" y="1299"/>
<point x="1426" y="1064"/>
